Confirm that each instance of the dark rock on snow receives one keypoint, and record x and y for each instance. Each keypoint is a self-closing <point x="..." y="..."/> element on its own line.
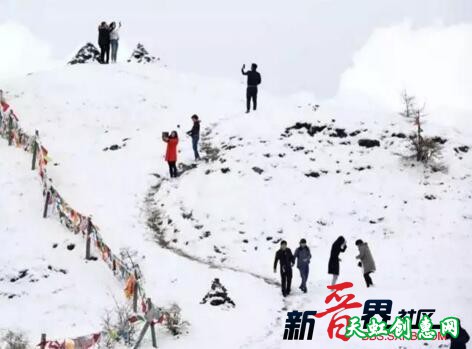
<point x="312" y="174"/>
<point x="339" y="132"/>
<point x="311" y="129"/>
<point x="257" y="170"/>
<point x="439" y="140"/>
<point x="463" y="149"/>
<point x="369" y="143"/>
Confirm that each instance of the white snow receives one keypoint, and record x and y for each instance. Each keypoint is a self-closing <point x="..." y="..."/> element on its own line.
<point x="60" y="293"/>
<point x="419" y="245"/>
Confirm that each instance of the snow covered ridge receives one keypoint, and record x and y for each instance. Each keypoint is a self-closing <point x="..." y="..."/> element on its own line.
<point x="126" y="271"/>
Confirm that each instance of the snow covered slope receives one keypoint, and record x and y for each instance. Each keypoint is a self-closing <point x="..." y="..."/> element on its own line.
<point x="45" y="284"/>
<point x="224" y="217"/>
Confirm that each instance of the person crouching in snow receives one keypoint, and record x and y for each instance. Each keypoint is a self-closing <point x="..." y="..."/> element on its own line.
<point x="366" y="261"/>
<point x="303" y="256"/>
<point x="171" y="152"/>
<point x="195" y="134"/>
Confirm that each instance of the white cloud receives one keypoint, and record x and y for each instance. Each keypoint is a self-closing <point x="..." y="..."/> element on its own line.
<point x="433" y="63"/>
<point x="22" y="52"/>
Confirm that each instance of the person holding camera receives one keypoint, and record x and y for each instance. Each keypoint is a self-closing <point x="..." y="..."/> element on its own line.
<point x="253" y="80"/>
<point x="114" y="39"/>
<point x="337" y="248"/>
<point x="104" y="42"/>
<point x="195" y="134"/>
<point x="171" y="152"/>
<point x="366" y="261"/>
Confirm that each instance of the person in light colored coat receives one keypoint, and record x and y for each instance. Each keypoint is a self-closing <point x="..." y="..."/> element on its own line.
<point x="303" y="257"/>
<point x="114" y="38"/>
<point x="366" y="261"/>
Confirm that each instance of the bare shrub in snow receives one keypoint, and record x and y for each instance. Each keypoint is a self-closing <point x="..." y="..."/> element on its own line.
<point x="15" y="340"/>
<point x="117" y="327"/>
<point x="173" y="321"/>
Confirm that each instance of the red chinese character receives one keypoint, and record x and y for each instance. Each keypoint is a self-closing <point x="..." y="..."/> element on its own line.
<point x="341" y="321"/>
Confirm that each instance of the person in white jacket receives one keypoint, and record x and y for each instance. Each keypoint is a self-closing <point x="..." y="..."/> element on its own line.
<point x="114" y="38"/>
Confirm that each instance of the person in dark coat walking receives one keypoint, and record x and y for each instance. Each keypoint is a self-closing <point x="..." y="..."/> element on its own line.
<point x="366" y="261"/>
<point x="171" y="152"/>
<point x="333" y="265"/>
<point x="253" y="80"/>
<point x="195" y="134"/>
<point x="285" y="257"/>
<point x="302" y="256"/>
<point x="460" y="341"/>
<point x="104" y="42"/>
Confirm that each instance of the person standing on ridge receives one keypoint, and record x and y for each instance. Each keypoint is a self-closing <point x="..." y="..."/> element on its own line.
<point x="195" y="134"/>
<point x="104" y="42"/>
<point x="303" y="256"/>
<point x="333" y="265"/>
<point x="114" y="38"/>
<point x="285" y="257"/>
<point x="171" y="151"/>
<point x="253" y="80"/>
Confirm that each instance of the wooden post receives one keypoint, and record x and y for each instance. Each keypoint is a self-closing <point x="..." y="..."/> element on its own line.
<point x="46" y="204"/>
<point x="141" y="335"/>
<point x="151" y="319"/>
<point x="42" y="345"/>
<point x="87" y="246"/>
<point x="10" y="130"/>
<point x="150" y="316"/>
<point x="153" y="334"/>
<point x="35" y="150"/>
<point x="135" y="297"/>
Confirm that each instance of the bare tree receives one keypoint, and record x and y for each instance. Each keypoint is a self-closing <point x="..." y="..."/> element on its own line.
<point x="424" y="148"/>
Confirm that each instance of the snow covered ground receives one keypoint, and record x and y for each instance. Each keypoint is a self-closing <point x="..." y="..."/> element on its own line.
<point x="45" y="283"/>
<point x="224" y="218"/>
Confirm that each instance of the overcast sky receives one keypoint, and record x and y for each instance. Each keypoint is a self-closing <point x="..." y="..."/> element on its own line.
<point x="299" y="45"/>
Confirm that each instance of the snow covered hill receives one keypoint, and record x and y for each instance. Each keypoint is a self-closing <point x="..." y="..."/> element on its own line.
<point x="265" y="178"/>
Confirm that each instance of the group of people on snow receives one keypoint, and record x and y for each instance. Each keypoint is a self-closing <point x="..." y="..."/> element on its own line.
<point x="172" y="138"/>
<point x="172" y="141"/>
<point x="302" y="258"/>
<point x="108" y="38"/>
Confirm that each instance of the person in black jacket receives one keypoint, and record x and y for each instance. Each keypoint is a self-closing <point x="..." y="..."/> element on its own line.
<point x="104" y="42"/>
<point x="253" y="80"/>
<point x="460" y="341"/>
<point x="285" y="257"/>
<point x="333" y="265"/>
<point x="195" y="134"/>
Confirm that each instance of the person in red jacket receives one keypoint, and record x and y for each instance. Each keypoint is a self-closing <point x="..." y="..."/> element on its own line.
<point x="171" y="152"/>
